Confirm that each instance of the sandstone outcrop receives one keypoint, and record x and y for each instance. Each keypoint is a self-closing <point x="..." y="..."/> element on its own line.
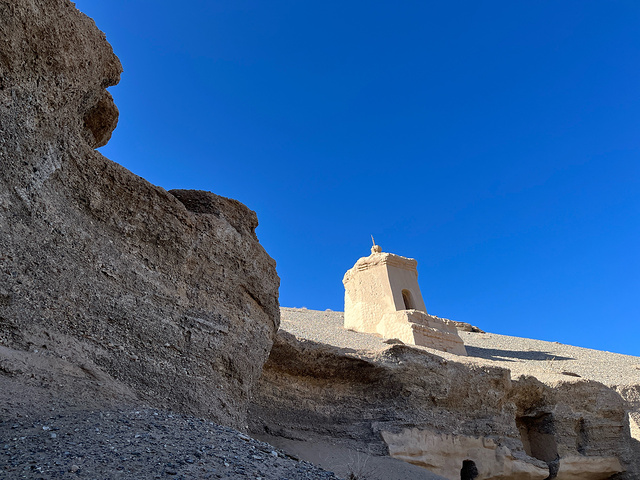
<point x="169" y="298"/>
<point x="436" y="412"/>
<point x="445" y="453"/>
<point x="114" y="290"/>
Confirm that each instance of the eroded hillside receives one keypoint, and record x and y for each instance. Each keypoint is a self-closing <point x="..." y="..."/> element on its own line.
<point x="323" y="383"/>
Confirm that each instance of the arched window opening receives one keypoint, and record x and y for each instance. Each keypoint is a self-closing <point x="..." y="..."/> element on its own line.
<point x="408" y="301"/>
<point x="469" y="470"/>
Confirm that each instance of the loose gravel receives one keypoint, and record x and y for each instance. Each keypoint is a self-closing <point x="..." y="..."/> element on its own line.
<point x="139" y="444"/>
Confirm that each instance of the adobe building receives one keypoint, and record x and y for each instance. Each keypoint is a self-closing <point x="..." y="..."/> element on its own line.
<point x="382" y="296"/>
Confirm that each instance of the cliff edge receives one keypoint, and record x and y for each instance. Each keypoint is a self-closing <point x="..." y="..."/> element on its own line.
<point x="112" y="289"/>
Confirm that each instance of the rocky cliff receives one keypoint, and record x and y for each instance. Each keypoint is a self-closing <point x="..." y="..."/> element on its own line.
<point x="438" y="411"/>
<point x="116" y="292"/>
<point x="110" y="287"/>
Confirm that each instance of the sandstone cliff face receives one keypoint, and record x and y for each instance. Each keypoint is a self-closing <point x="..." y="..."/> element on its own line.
<point x="437" y="413"/>
<point x="170" y="296"/>
<point x="389" y="401"/>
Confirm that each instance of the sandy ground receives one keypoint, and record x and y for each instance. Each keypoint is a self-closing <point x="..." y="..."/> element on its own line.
<point x="345" y="462"/>
<point x="140" y="444"/>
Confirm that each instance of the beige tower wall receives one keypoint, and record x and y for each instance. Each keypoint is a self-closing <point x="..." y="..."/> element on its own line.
<point x="367" y="297"/>
<point x="382" y="296"/>
<point x="404" y="279"/>
<point x="373" y="288"/>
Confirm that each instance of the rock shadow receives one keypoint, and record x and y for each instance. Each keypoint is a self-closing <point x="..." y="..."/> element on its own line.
<point x="512" y="355"/>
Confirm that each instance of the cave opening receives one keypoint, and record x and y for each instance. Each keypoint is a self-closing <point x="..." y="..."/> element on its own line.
<point x="537" y="433"/>
<point x="469" y="470"/>
<point x="538" y="436"/>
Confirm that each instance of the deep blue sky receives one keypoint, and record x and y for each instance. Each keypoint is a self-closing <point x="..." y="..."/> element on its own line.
<point x="498" y="143"/>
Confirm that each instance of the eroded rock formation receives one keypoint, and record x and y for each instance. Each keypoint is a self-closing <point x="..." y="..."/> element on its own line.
<point x="112" y="289"/>
<point x="167" y="297"/>
<point x="439" y="413"/>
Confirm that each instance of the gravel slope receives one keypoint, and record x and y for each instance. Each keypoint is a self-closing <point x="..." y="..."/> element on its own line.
<point x="548" y="361"/>
<point x="138" y="444"/>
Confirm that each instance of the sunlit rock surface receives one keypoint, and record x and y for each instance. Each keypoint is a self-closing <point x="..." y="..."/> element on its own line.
<point x="438" y="410"/>
<point x="116" y="282"/>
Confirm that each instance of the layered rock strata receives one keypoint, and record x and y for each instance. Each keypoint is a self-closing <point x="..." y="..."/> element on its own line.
<point x="416" y="405"/>
<point x="112" y="279"/>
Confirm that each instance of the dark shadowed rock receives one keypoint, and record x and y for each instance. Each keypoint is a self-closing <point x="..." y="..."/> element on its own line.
<point x="113" y="286"/>
<point x="243" y="220"/>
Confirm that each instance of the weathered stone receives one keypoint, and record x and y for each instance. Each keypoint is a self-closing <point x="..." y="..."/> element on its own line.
<point x="414" y="327"/>
<point x="438" y="412"/>
<point x="579" y="467"/>
<point x="101" y="120"/>
<point x="314" y="391"/>
<point x="107" y="271"/>
<point x="382" y="296"/>
<point x="445" y="453"/>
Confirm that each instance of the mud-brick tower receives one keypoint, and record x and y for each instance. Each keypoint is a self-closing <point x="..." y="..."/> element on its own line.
<point x="382" y="296"/>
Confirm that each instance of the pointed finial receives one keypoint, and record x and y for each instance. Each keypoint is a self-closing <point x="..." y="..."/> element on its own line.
<point x="375" y="248"/>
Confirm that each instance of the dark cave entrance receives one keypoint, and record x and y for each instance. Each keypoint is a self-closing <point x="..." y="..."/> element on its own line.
<point x="537" y="433"/>
<point x="469" y="470"/>
<point x="538" y="436"/>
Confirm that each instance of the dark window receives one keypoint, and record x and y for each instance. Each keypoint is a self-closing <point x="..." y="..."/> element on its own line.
<point x="408" y="301"/>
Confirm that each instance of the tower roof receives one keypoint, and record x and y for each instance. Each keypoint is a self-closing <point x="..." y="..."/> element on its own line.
<point x="378" y="258"/>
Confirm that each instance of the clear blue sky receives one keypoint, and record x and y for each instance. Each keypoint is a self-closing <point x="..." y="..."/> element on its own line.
<point x="498" y="143"/>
